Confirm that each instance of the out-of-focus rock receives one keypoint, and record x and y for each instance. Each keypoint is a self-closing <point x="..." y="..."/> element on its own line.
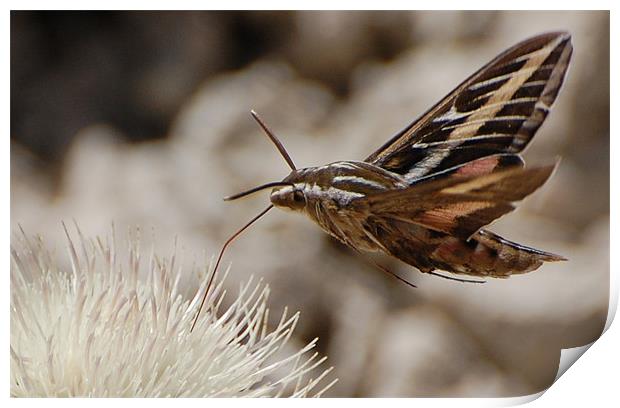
<point x="424" y="352"/>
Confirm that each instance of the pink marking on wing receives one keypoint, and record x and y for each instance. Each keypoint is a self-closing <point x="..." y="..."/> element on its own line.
<point x="445" y="218"/>
<point x="452" y="250"/>
<point x="479" y="167"/>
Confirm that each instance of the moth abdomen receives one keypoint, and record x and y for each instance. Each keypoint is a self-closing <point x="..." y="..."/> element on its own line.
<point x="488" y="254"/>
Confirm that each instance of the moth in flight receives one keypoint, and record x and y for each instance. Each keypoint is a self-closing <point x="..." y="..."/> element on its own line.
<point x="426" y="194"/>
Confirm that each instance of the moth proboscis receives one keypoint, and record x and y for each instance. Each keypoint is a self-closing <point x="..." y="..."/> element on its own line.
<point x="426" y="194"/>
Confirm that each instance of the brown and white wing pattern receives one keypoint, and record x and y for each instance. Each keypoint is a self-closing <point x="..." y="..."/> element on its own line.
<point x="460" y="202"/>
<point x="436" y="222"/>
<point x="495" y="111"/>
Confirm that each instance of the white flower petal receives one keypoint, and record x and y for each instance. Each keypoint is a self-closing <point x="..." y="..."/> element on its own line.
<point x="99" y="330"/>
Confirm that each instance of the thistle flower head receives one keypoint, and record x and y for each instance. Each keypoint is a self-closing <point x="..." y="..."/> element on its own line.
<point x="101" y="329"/>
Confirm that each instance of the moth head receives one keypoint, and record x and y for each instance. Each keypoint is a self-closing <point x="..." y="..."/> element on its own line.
<point x="285" y="194"/>
<point x="290" y="197"/>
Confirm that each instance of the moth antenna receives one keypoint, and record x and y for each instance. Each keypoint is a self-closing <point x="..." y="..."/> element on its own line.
<point x="219" y="258"/>
<point x="275" y="140"/>
<point x="456" y="279"/>
<point x="259" y="188"/>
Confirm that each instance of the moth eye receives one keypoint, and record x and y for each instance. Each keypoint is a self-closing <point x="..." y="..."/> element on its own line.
<point x="298" y="196"/>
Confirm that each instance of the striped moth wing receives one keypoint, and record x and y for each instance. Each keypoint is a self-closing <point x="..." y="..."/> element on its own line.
<point x="457" y="203"/>
<point x="495" y="111"/>
<point x="461" y="161"/>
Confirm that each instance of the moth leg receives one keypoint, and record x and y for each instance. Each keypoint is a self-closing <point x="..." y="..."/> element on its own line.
<point x="389" y="272"/>
<point x="455" y="279"/>
<point x="342" y="237"/>
<point x="382" y="268"/>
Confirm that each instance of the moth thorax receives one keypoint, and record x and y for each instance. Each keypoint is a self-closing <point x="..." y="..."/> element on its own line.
<point x="288" y="197"/>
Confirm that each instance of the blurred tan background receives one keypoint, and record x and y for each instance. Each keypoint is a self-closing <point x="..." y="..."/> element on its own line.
<point x="142" y="119"/>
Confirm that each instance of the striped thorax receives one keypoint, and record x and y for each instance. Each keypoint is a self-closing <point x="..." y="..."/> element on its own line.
<point x="336" y="185"/>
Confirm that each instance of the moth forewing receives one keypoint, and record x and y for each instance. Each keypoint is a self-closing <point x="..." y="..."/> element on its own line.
<point x="496" y="110"/>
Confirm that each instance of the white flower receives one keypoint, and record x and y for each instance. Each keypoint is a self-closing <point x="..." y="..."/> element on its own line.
<point x="100" y="330"/>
